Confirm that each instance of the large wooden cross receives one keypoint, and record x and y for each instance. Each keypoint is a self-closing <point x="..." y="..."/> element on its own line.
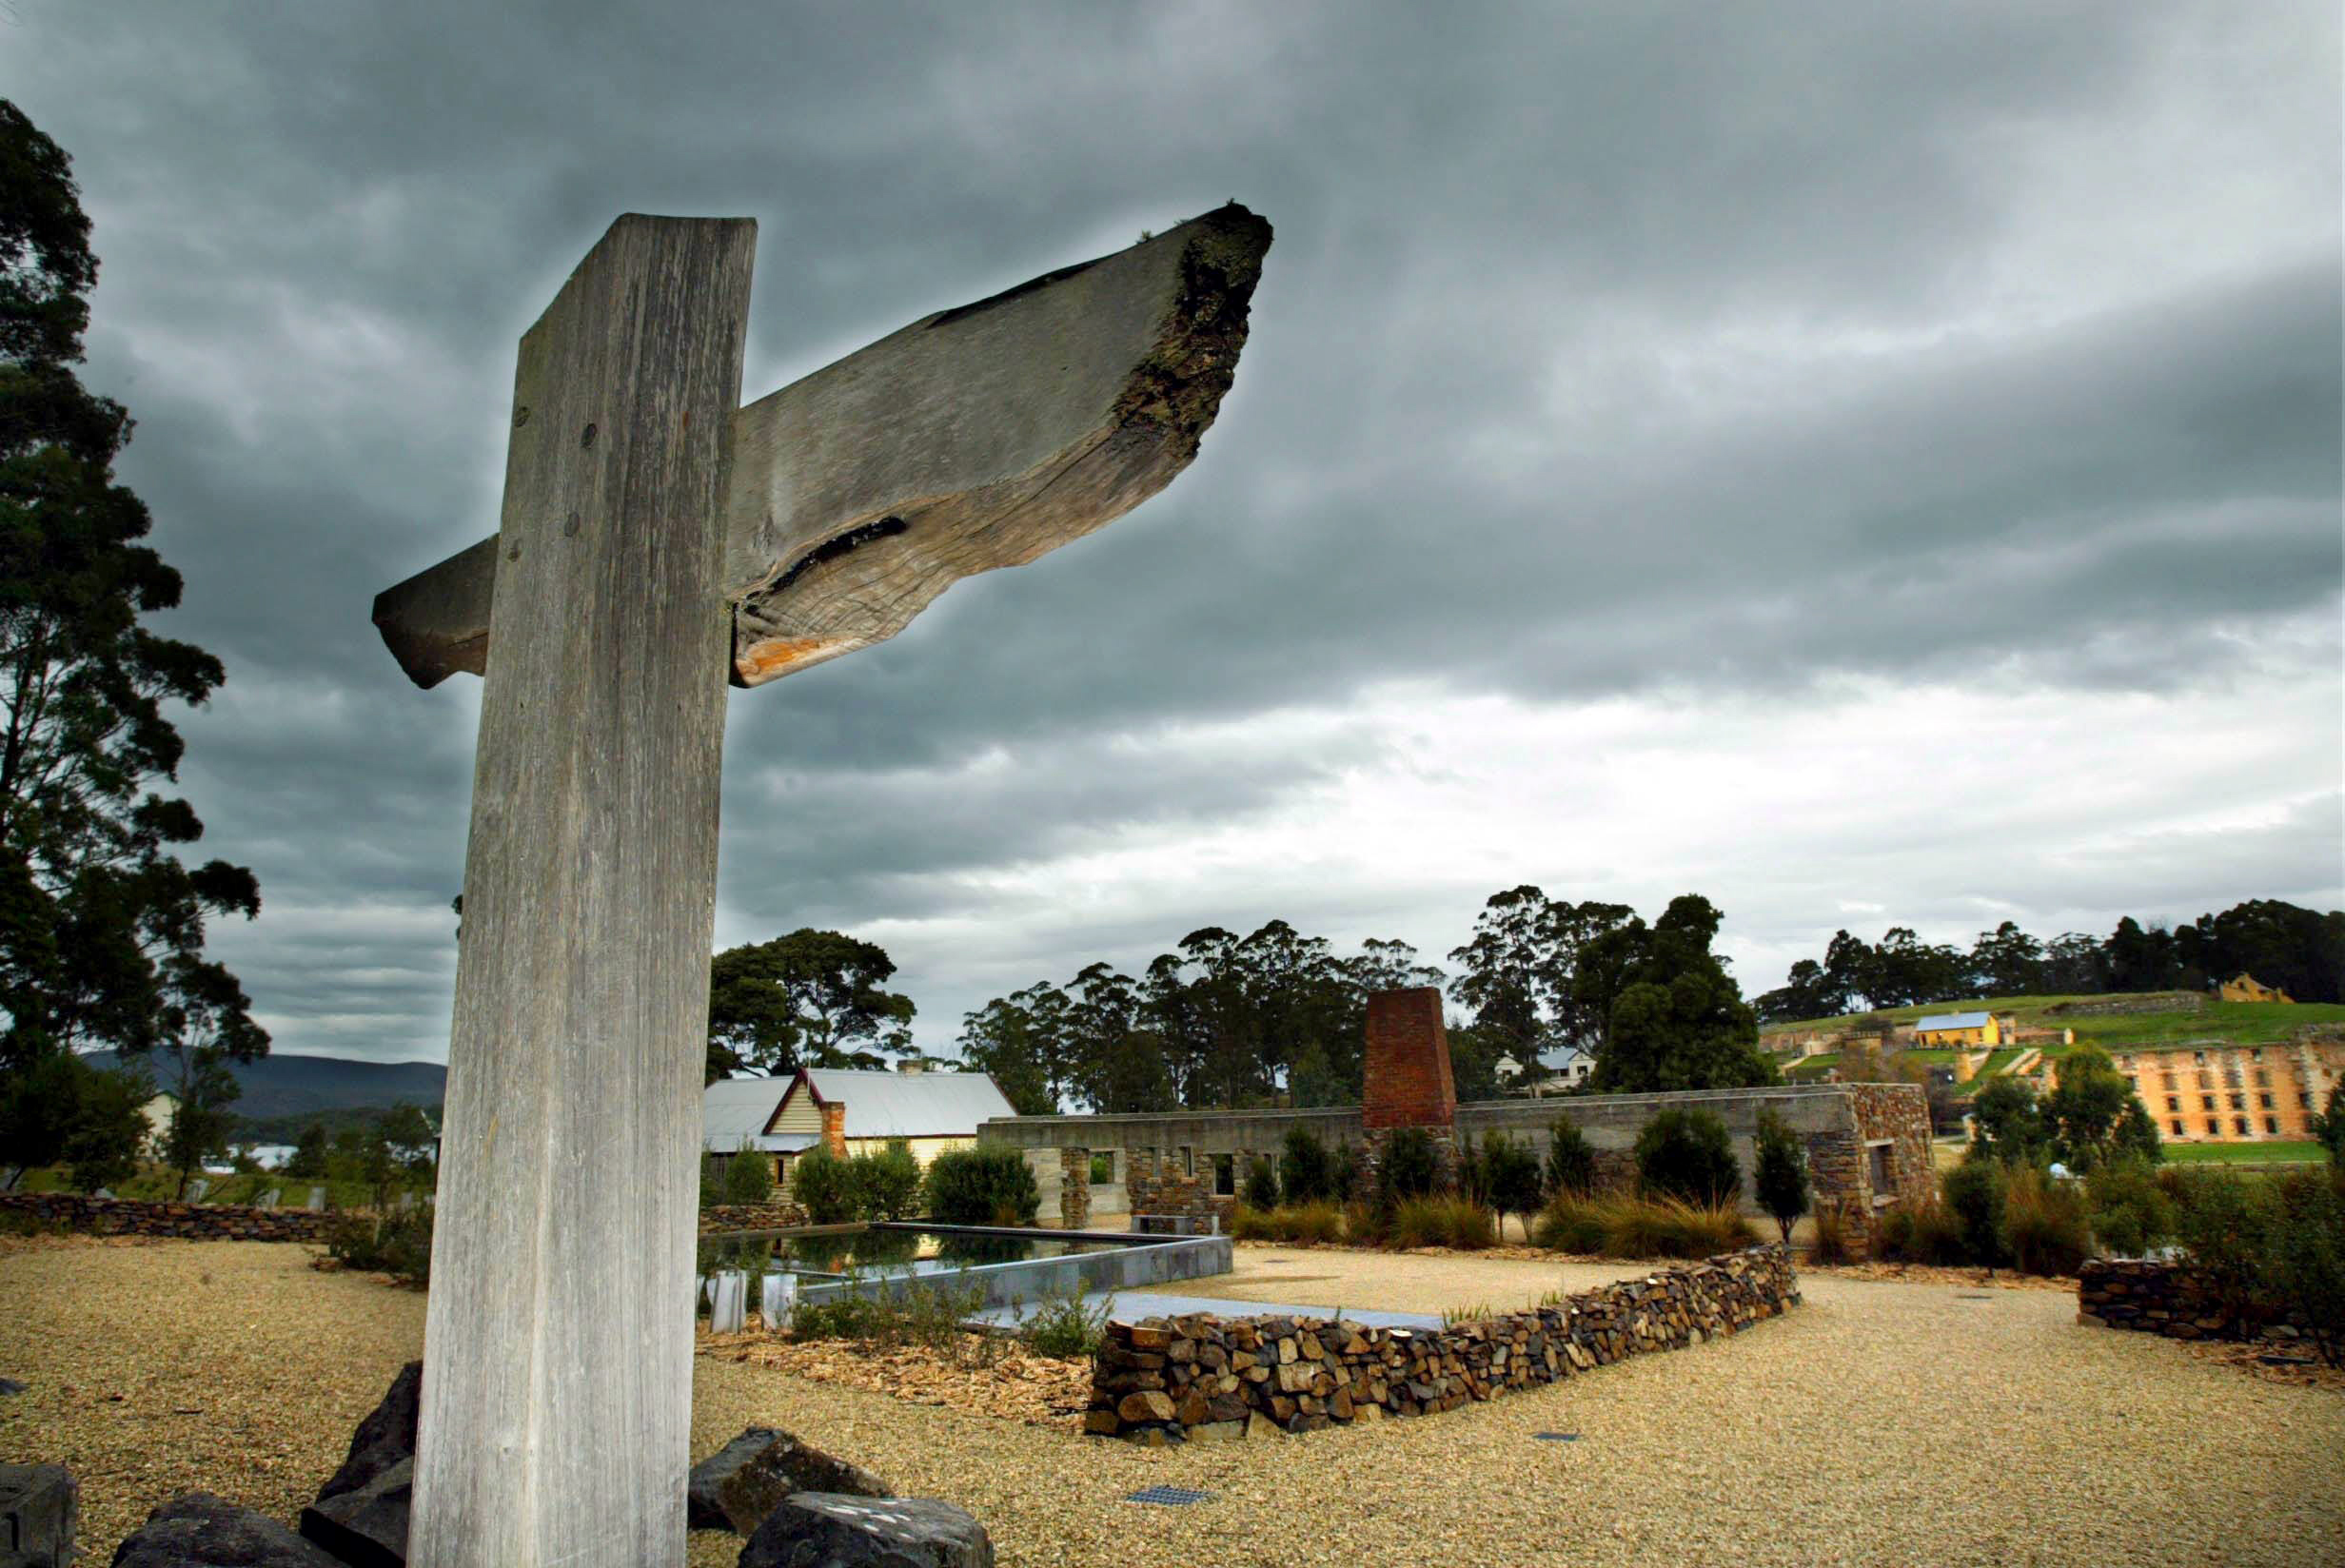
<point x="654" y="540"/>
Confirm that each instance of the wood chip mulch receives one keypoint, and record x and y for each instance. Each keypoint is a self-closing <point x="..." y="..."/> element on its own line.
<point x="1017" y="1388"/>
<point x="2298" y="1367"/>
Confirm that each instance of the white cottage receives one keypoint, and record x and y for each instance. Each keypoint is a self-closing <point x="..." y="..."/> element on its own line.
<point x="854" y="1112"/>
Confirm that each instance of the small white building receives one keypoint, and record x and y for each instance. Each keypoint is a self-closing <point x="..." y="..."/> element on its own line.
<point x="853" y="1112"/>
<point x="1559" y="1071"/>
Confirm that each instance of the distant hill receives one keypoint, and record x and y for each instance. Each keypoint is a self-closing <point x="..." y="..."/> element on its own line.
<point x="287" y="1084"/>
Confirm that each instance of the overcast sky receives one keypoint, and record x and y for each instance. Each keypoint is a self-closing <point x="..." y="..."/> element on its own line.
<point x="1862" y="463"/>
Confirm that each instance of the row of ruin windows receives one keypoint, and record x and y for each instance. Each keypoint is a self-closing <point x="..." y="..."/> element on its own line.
<point x="2239" y="1127"/>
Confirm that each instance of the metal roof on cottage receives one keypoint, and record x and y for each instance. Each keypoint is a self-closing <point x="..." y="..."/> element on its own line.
<point x="735" y="1112"/>
<point x="908" y="1104"/>
<point x="1952" y="1021"/>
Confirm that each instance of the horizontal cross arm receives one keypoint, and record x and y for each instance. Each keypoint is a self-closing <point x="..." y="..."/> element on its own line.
<point x="973" y="439"/>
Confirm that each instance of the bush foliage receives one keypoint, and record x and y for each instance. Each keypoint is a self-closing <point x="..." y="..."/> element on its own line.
<point x="1618" y="1225"/>
<point x="982" y="1185"/>
<point x="1687" y="1154"/>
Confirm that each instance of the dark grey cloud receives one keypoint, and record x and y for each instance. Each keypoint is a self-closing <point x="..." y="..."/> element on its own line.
<point x="1635" y="353"/>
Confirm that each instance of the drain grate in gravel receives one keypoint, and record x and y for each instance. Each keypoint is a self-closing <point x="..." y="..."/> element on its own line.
<point x="1169" y="1496"/>
<point x="1557" y="1436"/>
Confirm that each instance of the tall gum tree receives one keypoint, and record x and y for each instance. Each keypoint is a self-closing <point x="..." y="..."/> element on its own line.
<point x="102" y="924"/>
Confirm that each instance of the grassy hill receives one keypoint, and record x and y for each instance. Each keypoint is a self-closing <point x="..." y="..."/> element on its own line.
<point x="2239" y="1023"/>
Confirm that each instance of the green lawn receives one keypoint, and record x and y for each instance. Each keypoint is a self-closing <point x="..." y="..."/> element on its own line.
<point x="2234" y="1154"/>
<point x="2237" y="1023"/>
<point x="2233" y="1023"/>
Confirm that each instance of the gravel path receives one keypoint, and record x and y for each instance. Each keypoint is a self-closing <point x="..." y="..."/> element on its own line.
<point x="1880" y="1423"/>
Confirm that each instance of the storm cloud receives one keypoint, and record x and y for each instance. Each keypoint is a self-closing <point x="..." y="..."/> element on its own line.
<point x="1862" y="463"/>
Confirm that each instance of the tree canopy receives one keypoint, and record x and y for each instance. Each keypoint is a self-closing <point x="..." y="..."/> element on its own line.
<point x="2300" y="951"/>
<point x="1680" y="1021"/>
<point x="102" y="924"/>
<point x="811" y="999"/>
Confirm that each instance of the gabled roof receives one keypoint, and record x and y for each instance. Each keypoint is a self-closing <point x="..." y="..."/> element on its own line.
<point x="734" y="1110"/>
<point x="906" y="1104"/>
<point x="1953" y="1021"/>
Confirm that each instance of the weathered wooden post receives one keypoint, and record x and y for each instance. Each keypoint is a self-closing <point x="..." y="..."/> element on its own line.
<point x="654" y="538"/>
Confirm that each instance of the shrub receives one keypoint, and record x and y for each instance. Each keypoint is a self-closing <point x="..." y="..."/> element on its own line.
<point x="2044" y="1228"/>
<point x="1442" y="1222"/>
<point x="1670" y="1228"/>
<point x="1622" y="1226"/>
<point x="824" y="1185"/>
<point x="887" y="1184"/>
<point x="982" y="1185"/>
<point x="1687" y="1154"/>
<point x="1510" y="1177"/>
<point x="928" y="1315"/>
<point x="1062" y="1328"/>
<point x="2226" y="1222"/>
<point x="2307" y="1264"/>
<point x="2131" y="1211"/>
<point x="1309" y="1224"/>
<point x="2327" y="1125"/>
<point x="1831" y="1237"/>
<point x="748" y="1177"/>
<point x="1344" y="1174"/>
<point x="1363" y="1223"/>
<point x="1781" y="1177"/>
<point x="397" y="1244"/>
<point x="1974" y="1198"/>
<point x="1570" y="1162"/>
<point x="1919" y="1230"/>
<point x="1261" y="1183"/>
<point x="1306" y="1175"/>
<point x="1572" y="1222"/>
<point x="1410" y="1167"/>
<point x="1248" y="1223"/>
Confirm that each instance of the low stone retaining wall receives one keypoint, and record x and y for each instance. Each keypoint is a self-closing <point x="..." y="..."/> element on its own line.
<point x="1167" y="1380"/>
<point x="779" y="1215"/>
<point x="193" y="1222"/>
<point x="2171" y="1298"/>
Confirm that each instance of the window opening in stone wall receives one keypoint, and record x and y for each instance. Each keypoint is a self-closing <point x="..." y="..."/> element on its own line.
<point x="1102" y="1166"/>
<point x="1882" y="1181"/>
<point x="2240" y="1126"/>
<point x="1225" y="1175"/>
<point x="2173" y="1103"/>
<point x="2215" y="1128"/>
<point x="2271" y="1124"/>
<point x="1189" y="1160"/>
<point x="2178" y="1127"/>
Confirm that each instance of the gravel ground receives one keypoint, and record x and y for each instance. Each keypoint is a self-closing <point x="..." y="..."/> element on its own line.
<point x="1879" y="1424"/>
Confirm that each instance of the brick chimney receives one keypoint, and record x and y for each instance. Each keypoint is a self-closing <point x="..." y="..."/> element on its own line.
<point x="835" y="1126"/>
<point x="1407" y="1077"/>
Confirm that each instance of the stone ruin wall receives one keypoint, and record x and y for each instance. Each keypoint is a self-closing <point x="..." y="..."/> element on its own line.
<point x="1168" y="1159"/>
<point x="190" y="1222"/>
<point x="2125" y="1007"/>
<point x="1172" y="1379"/>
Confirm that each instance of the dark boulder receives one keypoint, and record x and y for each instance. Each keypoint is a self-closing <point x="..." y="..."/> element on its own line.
<point x="39" y="1507"/>
<point x="826" y="1530"/>
<point x="702" y="1509"/>
<point x="384" y="1437"/>
<point x="200" y="1531"/>
<point x="366" y="1528"/>
<point x="784" y="1465"/>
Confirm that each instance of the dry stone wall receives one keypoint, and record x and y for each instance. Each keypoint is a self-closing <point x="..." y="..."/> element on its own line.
<point x="779" y="1215"/>
<point x="193" y="1222"/>
<point x="2171" y="1298"/>
<point x="2126" y="1006"/>
<point x="1171" y="1380"/>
